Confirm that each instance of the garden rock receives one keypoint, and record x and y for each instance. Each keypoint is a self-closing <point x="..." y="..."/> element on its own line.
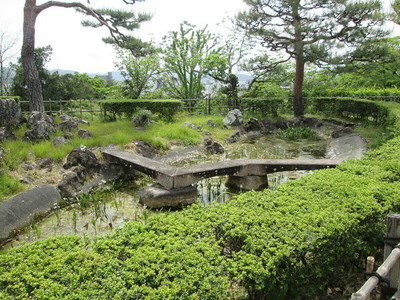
<point x="213" y="147"/>
<point x="75" y="119"/>
<point x="192" y="126"/>
<point x="37" y="116"/>
<point x="44" y="163"/>
<point x="6" y="134"/>
<point x="233" y="118"/>
<point x="341" y="132"/>
<point x="145" y="149"/>
<point x="234" y="137"/>
<point x="82" y="156"/>
<point x="19" y="211"/>
<point x="10" y="113"/>
<point x="41" y="130"/>
<point x="84" y="134"/>
<point x="252" y="125"/>
<point x="59" y="141"/>
<point x="211" y="123"/>
<point x="68" y="135"/>
<point x="1" y="152"/>
<point x="68" y="125"/>
<point x="72" y="182"/>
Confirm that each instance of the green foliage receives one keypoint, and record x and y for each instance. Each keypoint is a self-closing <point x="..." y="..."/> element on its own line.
<point x="266" y="106"/>
<point x="298" y="133"/>
<point x="121" y="23"/>
<point x="138" y="72"/>
<point x="165" y="108"/>
<point x="188" y="54"/>
<point x="142" y="118"/>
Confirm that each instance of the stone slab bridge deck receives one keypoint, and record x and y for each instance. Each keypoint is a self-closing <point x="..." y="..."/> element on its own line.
<point x="175" y="178"/>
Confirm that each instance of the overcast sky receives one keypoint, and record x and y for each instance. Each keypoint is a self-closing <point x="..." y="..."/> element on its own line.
<point x="81" y="49"/>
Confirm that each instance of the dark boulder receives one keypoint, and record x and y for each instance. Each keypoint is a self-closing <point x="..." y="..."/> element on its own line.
<point x="145" y="149"/>
<point x="84" y="134"/>
<point x="234" y="137"/>
<point x="252" y="125"/>
<point x="42" y="126"/>
<point x="68" y="125"/>
<point x="10" y="113"/>
<point x="41" y="130"/>
<point x="82" y="156"/>
<point x="213" y="147"/>
<point x="6" y="134"/>
<point x="59" y="141"/>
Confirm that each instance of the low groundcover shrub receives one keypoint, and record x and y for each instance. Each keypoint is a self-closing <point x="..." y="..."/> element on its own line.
<point x="289" y="243"/>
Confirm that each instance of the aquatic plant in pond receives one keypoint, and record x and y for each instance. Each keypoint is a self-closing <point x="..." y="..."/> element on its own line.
<point x="297" y="133"/>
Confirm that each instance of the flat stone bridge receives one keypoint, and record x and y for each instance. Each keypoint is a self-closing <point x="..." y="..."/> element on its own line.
<point x="175" y="178"/>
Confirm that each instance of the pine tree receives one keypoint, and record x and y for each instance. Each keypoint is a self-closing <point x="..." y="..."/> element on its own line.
<point x="310" y="30"/>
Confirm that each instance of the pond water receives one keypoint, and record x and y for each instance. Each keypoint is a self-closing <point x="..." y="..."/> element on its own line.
<point x="111" y="209"/>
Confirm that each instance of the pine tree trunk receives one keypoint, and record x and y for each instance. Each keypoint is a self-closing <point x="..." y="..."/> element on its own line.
<point x="28" y="58"/>
<point x="298" y="105"/>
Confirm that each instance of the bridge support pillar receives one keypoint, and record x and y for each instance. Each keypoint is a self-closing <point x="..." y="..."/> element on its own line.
<point x="157" y="196"/>
<point x="247" y="183"/>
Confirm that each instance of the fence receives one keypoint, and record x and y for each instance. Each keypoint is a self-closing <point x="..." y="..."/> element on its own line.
<point x="390" y="267"/>
<point x="68" y="107"/>
<point x="207" y="106"/>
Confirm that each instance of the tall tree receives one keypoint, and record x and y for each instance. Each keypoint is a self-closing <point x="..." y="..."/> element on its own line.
<point x="222" y="63"/>
<point x="186" y="56"/>
<point x="31" y="12"/>
<point x="138" y="72"/>
<point x="7" y="53"/>
<point x="309" y="30"/>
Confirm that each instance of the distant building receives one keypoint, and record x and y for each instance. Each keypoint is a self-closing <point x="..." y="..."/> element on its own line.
<point x="108" y="77"/>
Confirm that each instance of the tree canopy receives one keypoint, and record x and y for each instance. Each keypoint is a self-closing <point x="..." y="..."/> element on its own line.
<point x="309" y="31"/>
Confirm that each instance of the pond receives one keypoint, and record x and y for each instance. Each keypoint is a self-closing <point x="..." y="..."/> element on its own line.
<point x="110" y="208"/>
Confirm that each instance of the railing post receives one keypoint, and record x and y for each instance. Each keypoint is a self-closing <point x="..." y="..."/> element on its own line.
<point x="391" y="239"/>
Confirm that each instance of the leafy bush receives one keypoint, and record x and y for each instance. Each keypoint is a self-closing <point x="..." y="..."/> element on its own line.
<point x="142" y="118"/>
<point x="266" y="106"/>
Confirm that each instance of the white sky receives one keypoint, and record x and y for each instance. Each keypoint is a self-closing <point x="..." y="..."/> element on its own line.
<point x="81" y="49"/>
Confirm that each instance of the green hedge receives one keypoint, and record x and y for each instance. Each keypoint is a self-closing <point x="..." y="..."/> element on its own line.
<point x="349" y="108"/>
<point x="290" y="243"/>
<point x="265" y="107"/>
<point x="166" y="108"/>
